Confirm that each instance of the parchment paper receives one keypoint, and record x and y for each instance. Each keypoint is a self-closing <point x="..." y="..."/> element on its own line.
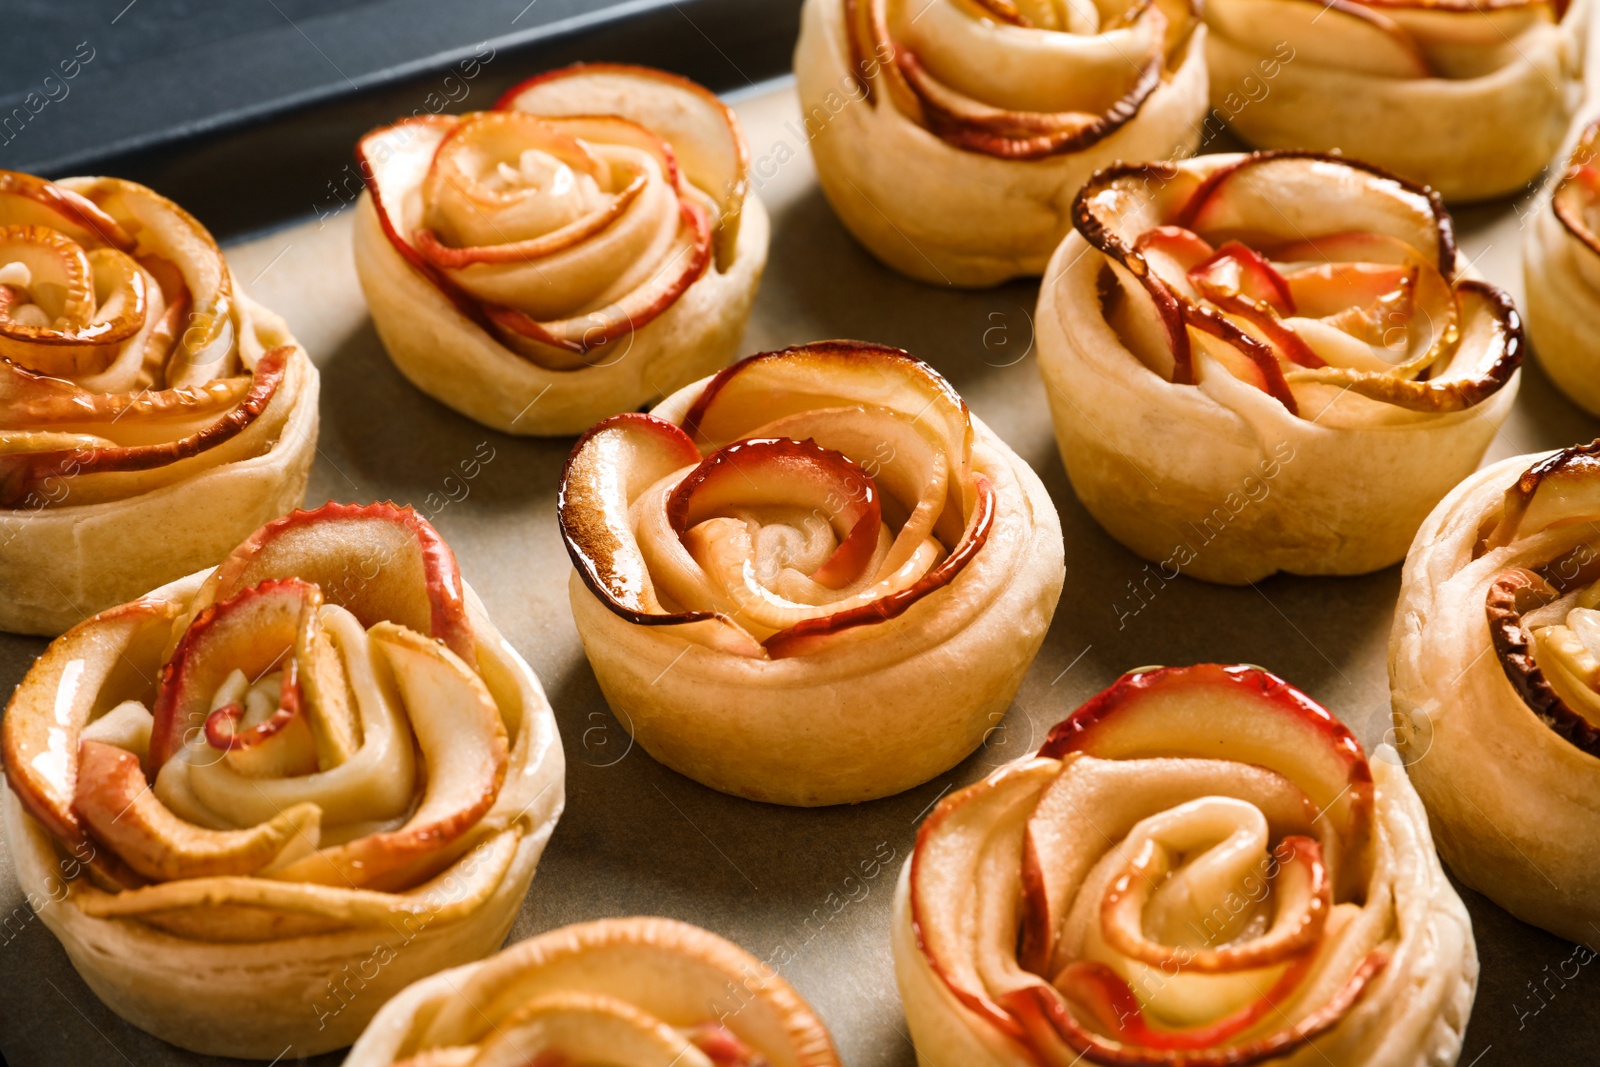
<point x="637" y="838"/>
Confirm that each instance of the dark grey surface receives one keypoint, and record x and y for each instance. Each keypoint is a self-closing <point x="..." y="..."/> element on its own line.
<point x="241" y="110"/>
<point x="637" y="838"/>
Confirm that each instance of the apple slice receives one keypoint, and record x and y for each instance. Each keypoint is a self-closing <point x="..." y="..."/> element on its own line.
<point x="1296" y="195"/>
<point x="1328" y="289"/>
<point x="1578" y="192"/>
<point x="1513" y="594"/>
<point x="1023" y="135"/>
<point x="612" y="463"/>
<point x="53" y="273"/>
<point x="1341" y="35"/>
<point x="1240" y="713"/>
<point x="120" y="471"/>
<point x="771" y="385"/>
<point x="945" y="882"/>
<point x="595" y="329"/>
<point x="394" y="162"/>
<point x="779" y="472"/>
<point x="29" y="201"/>
<point x="116" y="803"/>
<point x="1060" y="846"/>
<point x="254" y="631"/>
<point x="1173" y="253"/>
<point x="1245" y="356"/>
<point x="811" y="635"/>
<point x="463" y="744"/>
<point x="84" y="672"/>
<point x="1561" y="488"/>
<point x="209" y="347"/>
<point x="380" y="561"/>
<point x="1044" y="1016"/>
<point x="1235" y="269"/>
<point x="702" y="131"/>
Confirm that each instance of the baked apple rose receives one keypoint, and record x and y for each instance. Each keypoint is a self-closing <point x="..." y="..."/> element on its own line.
<point x="258" y="801"/>
<point x="1200" y="867"/>
<point x="1561" y="276"/>
<point x="812" y="579"/>
<point x="1269" y="362"/>
<point x="586" y="246"/>
<point x="637" y="992"/>
<point x="1469" y="97"/>
<point x="151" y="415"/>
<point x="1495" y="671"/>
<point x="950" y="135"/>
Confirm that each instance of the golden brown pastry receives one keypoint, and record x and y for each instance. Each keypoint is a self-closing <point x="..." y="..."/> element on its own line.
<point x="584" y="248"/>
<point x="814" y="578"/>
<point x="1561" y="277"/>
<point x="1470" y="98"/>
<point x="256" y="802"/>
<point x="950" y="135"/>
<point x="1269" y="362"/>
<point x="1496" y="683"/>
<point x="639" y="992"/>
<point x="151" y="415"/>
<point x="1200" y="867"/>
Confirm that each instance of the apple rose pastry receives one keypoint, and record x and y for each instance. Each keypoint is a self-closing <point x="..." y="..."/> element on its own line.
<point x="151" y="416"/>
<point x="255" y="803"/>
<point x="812" y="579"/>
<point x="586" y="246"/>
<point x="1471" y="98"/>
<point x="639" y="992"/>
<point x="1494" y="662"/>
<point x="1269" y="362"/>
<point x="950" y="135"/>
<point x="1561" y="276"/>
<point x="1200" y="867"/>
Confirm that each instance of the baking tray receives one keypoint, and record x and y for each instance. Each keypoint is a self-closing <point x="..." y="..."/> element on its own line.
<point x="788" y="884"/>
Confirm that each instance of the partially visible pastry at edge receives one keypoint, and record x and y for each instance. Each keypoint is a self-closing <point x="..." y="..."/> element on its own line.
<point x="584" y="248"/>
<point x="950" y="135"/>
<point x="256" y="802"/>
<point x="1494" y="662"/>
<point x="1561" y="277"/>
<point x="812" y="579"/>
<point x="1200" y="867"/>
<point x="151" y="415"/>
<point x="1269" y="362"/>
<point x="638" y="992"/>
<point x="1471" y="98"/>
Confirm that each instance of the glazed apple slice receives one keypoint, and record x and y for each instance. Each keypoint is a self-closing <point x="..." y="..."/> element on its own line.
<point x="255" y="632"/>
<point x="609" y="467"/>
<point x="595" y="329"/>
<point x="779" y="472"/>
<point x="1060" y="846"/>
<point x="70" y="292"/>
<point x="386" y="555"/>
<point x="702" y="131"/>
<point x="113" y="471"/>
<point x="105" y="654"/>
<point x="772" y="385"/>
<point x="463" y="743"/>
<point x="1243" y="714"/>
<point x="1293" y="195"/>
<point x="171" y="238"/>
<point x="29" y="201"/>
<point x="1235" y="269"/>
<point x="115" y="801"/>
<point x="812" y="634"/>
<point x="1560" y="488"/>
